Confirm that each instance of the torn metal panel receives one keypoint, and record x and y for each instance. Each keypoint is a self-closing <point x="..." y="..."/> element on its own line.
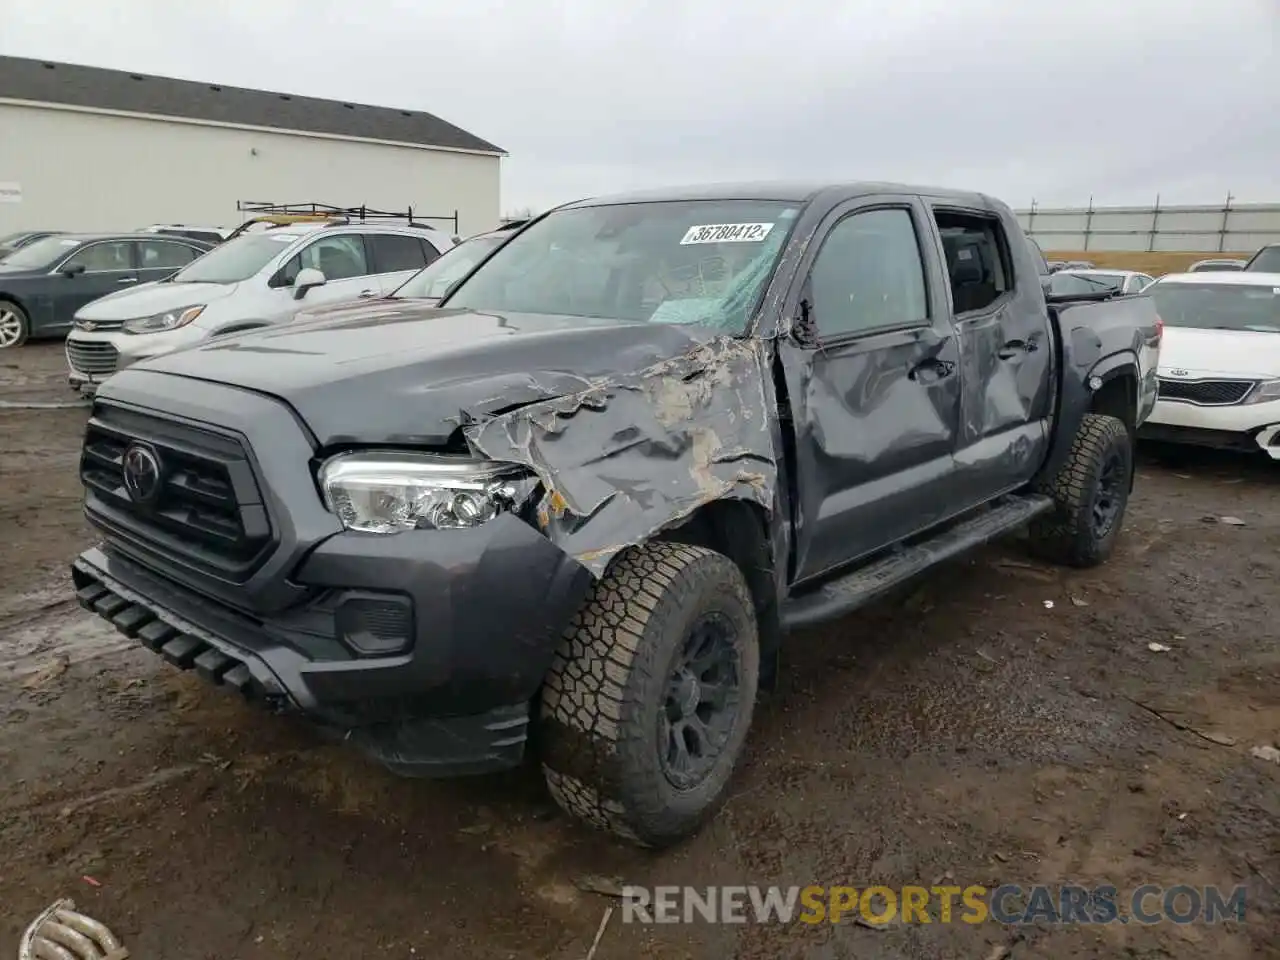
<point x="635" y="454"/>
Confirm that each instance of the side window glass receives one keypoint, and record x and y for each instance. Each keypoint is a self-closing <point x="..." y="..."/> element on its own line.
<point x="337" y="257"/>
<point x="289" y="272"/>
<point x="429" y="251"/>
<point x="978" y="262"/>
<point x="99" y="257"/>
<point x="157" y="254"/>
<point x="394" y="252"/>
<point x="868" y="275"/>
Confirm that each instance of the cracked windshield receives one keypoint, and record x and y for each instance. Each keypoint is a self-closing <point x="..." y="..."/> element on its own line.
<point x="700" y="263"/>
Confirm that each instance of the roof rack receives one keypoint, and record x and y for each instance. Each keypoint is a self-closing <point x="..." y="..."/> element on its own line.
<point x="334" y="214"/>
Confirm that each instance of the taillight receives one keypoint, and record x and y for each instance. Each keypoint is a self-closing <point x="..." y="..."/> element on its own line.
<point x="1159" y="328"/>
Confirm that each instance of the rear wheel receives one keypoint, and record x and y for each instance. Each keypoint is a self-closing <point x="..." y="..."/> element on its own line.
<point x="1091" y="492"/>
<point x="14" y="325"/>
<point x="647" y="705"/>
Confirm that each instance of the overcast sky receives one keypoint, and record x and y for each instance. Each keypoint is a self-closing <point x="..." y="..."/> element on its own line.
<point x="1052" y="99"/>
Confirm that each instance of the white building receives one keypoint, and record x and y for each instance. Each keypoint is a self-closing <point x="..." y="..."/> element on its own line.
<point x="87" y="149"/>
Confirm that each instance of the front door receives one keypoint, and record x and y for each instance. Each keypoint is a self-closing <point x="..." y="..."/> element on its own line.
<point x="1006" y="354"/>
<point x="93" y="271"/>
<point x="348" y="273"/>
<point x="874" y="393"/>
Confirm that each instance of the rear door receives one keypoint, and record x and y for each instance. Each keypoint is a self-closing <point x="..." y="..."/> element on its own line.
<point x="1006" y="352"/>
<point x="397" y="257"/>
<point x="873" y="391"/>
<point x="158" y="259"/>
<point x="108" y="266"/>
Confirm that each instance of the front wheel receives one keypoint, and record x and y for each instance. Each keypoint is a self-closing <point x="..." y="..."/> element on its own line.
<point x="647" y="704"/>
<point x="1091" y="492"/>
<point x="14" y="325"/>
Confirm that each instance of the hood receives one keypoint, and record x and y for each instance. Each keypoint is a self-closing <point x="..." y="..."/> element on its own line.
<point x="1234" y="353"/>
<point x="404" y="372"/>
<point x="149" y="299"/>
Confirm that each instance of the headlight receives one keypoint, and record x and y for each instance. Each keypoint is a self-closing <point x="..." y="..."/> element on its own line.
<point x="1265" y="391"/>
<point x="164" y="321"/>
<point x="388" y="492"/>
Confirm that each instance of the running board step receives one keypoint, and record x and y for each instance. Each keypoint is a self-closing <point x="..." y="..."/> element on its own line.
<point x="861" y="586"/>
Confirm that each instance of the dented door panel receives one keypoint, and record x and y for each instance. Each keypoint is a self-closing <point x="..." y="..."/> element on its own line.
<point x="1007" y="361"/>
<point x="1006" y="400"/>
<point x="873" y="445"/>
<point x="874" y="417"/>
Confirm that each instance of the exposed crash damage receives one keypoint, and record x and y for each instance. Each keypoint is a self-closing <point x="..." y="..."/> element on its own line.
<point x="746" y="408"/>
<point x="633" y="455"/>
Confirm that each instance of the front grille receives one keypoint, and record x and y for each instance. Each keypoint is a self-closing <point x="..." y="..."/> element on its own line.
<point x="204" y="509"/>
<point x="92" y="356"/>
<point x="99" y="324"/>
<point x="1206" y="393"/>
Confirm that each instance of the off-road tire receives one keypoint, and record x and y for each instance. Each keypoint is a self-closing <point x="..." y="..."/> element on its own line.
<point x="8" y="307"/>
<point x="1069" y="535"/>
<point x="601" y="704"/>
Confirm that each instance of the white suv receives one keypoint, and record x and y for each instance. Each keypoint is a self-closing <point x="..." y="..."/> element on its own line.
<point x="254" y="280"/>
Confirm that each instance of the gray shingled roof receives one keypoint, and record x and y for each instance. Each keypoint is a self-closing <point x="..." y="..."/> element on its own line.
<point x="74" y="85"/>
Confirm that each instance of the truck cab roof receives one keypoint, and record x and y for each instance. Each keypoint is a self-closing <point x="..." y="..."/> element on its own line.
<point x="795" y="191"/>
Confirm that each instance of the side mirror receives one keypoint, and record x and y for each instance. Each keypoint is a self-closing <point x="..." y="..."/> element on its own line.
<point x="74" y="270"/>
<point x="307" y="278"/>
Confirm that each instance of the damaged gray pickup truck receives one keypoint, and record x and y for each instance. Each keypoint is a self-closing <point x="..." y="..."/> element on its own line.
<point x="585" y="498"/>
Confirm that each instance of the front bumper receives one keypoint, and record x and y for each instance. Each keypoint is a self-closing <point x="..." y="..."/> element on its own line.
<point x="1242" y="426"/>
<point x="488" y="607"/>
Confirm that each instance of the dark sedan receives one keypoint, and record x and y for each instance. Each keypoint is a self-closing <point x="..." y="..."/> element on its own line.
<point x="12" y="241"/>
<point x="44" y="283"/>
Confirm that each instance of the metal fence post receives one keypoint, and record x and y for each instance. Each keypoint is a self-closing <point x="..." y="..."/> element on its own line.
<point x="1226" y="221"/>
<point x="1031" y="220"/>
<point x="1155" y="225"/>
<point x="1088" y="223"/>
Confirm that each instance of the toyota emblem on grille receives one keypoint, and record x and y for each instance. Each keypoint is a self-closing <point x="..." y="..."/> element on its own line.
<point x="142" y="474"/>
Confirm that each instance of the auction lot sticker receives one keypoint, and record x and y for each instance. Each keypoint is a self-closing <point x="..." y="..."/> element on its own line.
<point x="726" y="233"/>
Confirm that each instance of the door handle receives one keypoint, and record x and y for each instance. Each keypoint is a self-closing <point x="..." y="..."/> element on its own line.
<point x="127" y="280"/>
<point x="366" y="294"/>
<point x="1014" y="347"/>
<point x="931" y="370"/>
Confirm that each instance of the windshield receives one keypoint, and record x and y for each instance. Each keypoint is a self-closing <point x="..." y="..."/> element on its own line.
<point x="682" y="262"/>
<point x="1218" y="306"/>
<point x="236" y="260"/>
<point x="434" y="279"/>
<point x="42" y="253"/>
<point x="1069" y="284"/>
<point x="1266" y="260"/>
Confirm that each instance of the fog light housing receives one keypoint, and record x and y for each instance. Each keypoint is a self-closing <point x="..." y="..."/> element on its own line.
<point x="375" y="625"/>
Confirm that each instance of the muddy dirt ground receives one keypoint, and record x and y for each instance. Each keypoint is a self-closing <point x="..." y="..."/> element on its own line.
<point x="967" y="731"/>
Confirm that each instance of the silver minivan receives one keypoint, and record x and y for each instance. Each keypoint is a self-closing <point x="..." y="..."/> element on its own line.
<point x="254" y="280"/>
